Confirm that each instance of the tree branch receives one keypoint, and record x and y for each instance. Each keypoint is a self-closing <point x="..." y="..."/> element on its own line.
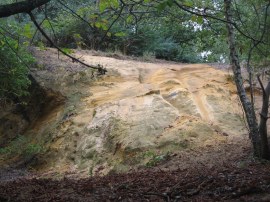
<point x="261" y="84"/>
<point x="20" y="7"/>
<point x="100" y="69"/>
<point x="206" y="15"/>
<point x="118" y="16"/>
<point x="75" y="14"/>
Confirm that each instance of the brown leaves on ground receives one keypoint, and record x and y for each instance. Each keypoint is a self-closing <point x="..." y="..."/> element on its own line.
<point x="250" y="183"/>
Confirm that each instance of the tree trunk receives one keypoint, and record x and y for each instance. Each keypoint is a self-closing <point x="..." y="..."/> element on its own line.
<point x="247" y="106"/>
<point x="263" y="120"/>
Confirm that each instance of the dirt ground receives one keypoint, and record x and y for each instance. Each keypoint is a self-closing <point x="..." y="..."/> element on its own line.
<point x="237" y="179"/>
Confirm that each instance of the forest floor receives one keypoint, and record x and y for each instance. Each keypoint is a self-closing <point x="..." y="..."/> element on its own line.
<point x="220" y="171"/>
<point x="246" y="180"/>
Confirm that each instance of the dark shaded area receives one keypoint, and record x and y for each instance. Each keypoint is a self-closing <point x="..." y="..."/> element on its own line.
<point x="250" y="183"/>
<point x="9" y="174"/>
<point x="24" y="111"/>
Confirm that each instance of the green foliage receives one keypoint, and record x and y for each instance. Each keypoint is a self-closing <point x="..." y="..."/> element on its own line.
<point x="104" y="4"/>
<point x="14" y="60"/>
<point x="167" y="49"/>
<point x="67" y="50"/>
<point x="33" y="149"/>
<point x="41" y="45"/>
<point x="27" y="31"/>
<point x="21" y="146"/>
<point x="156" y="35"/>
<point x="255" y="16"/>
<point x="162" y="29"/>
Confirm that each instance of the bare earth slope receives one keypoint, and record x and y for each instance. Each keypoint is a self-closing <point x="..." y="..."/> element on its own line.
<point x="175" y="131"/>
<point x="137" y="115"/>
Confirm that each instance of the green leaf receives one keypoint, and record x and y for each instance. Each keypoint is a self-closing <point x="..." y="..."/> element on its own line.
<point x="104" y="26"/>
<point x="115" y="3"/>
<point x="93" y="16"/>
<point x="2" y="42"/>
<point x="46" y="24"/>
<point x="194" y="18"/>
<point x="197" y="19"/>
<point x="81" y="11"/>
<point x="98" y="24"/>
<point x="67" y="50"/>
<point x="120" y="34"/>
<point x="129" y="19"/>
<point x="162" y="6"/>
<point x="27" y="31"/>
<point x="26" y="43"/>
<point x="188" y="3"/>
<point x="41" y="45"/>
<point x="170" y="2"/>
<point x="104" y="4"/>
<point x="77" y="36"/>
<point x="16" y="45"/>
<point x="200" y="20"/>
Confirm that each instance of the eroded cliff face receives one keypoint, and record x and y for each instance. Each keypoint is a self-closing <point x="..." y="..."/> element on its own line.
<point x="17" y="115"/>
<point x="137" y="114"/>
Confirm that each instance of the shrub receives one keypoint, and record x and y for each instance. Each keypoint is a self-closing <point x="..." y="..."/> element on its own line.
<point x="14" y="62"/>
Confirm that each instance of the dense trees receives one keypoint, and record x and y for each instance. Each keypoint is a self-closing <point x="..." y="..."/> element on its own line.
<point x="187" y="31"/>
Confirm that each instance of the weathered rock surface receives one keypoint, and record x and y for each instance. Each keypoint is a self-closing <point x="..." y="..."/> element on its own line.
<point x="138" y="113"/>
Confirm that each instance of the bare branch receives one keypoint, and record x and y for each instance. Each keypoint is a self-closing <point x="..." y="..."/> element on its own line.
<point x="261" y="84"/>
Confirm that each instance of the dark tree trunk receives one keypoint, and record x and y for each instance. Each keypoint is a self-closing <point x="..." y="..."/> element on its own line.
<point x="263" y="120"/>
<point x="234" y="59"/>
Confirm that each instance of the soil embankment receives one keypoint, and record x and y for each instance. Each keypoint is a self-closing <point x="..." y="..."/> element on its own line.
<point x="181" y="125"/>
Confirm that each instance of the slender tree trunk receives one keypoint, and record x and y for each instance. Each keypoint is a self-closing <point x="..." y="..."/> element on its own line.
<point x="234" y="59"/>
<point x="263" y="120"/>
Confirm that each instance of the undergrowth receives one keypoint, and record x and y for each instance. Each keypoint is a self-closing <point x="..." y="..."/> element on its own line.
<point x="21" y="146"/>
